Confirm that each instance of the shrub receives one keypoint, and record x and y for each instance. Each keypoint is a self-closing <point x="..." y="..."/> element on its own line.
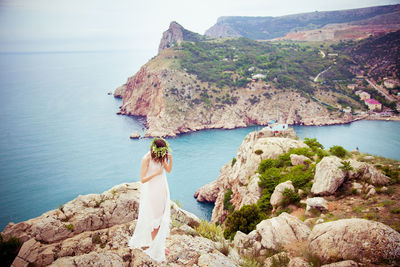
<point x="266" y="164"/>
<point x="290" y="197"/>
<point x="346" y="166"/>
<point x="9" y="250"/>
<point x="69" y="226"/>
<point x="313" y="144"/>
<point x="233" y="162"/>
<point x="244" y="220"/>
<point x="305" y="151"/>
<point x="258" y="152"/>
<point x="269" y="179"/>
<point x="321" y="153"/>
<point x="395" y="210"/>
<point x="338" y="151"/>
<point x="210" y="230"/>
<point x="301" y="176"/>
<point x="227" y="201"/>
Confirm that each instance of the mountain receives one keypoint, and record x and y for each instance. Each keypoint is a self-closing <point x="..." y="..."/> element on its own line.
<point x="213" y="83"/>
<point x="176" y="34"/>
<point x="313" y="26"/>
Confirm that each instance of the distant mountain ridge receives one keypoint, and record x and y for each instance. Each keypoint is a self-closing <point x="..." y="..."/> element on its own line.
<point x="266" y="28"/>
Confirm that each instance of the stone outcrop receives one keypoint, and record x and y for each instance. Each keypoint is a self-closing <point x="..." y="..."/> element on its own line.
<point x="173" y="35"/>
<point x="355" y="239"/>
<point x="240" y="176"/>
<point x="277" y="195"/>
<point x="95" y="229"/>
<point x="328" y="176"/>
<point x="367" y="172"/>
<point x="298" y="159"/>
<point x="271" y="234"/>
<point x="135" y="135"/>
<point x="318" y="203"/>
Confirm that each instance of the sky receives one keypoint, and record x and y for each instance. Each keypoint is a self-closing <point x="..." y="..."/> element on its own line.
<point x="81" y="25"/>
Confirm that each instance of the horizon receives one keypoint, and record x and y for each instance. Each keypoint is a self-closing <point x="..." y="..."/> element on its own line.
<point x="54" y="26"/>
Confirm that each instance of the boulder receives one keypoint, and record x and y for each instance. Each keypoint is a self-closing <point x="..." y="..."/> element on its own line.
<point x="371" y="192"/>
<point x="367" y="172"/>
<point x="252" y="192"/>
<point x="298" y="159"/>
<point x="282" y="230"/>
<point x="135" y="135"/>
<point x="208" y="192"/>
<point x="318" y="203"/>
<point x="357" y="186"/>
<point x="277" y="195"/>
<point x="354" y="239"/>
<point x="328" y="176"/>
<point x="348" y="263"/>
<point x="298" y="262"/>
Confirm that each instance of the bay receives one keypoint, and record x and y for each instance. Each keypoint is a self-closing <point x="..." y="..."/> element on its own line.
<point x="60" y="135"/>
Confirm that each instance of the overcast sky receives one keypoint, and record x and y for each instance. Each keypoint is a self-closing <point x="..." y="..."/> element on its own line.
<point x="54" y="25"/>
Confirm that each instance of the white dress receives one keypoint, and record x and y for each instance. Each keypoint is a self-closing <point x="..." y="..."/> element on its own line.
<point x="154" y="212"/>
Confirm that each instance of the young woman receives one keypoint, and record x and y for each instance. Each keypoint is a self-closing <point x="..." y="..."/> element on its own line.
<point x="152" y="227"/>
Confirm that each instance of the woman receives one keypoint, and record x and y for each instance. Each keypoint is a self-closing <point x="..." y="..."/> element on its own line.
<point x="152" y="227"/>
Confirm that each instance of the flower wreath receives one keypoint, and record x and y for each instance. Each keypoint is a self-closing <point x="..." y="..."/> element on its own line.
<point x="159" y="152"/>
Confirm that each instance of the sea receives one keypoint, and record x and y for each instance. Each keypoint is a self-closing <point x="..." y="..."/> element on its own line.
<point x="60" y="136"/>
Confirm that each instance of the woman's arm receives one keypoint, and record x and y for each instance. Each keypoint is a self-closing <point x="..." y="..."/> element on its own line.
<point x="168" y="165"/>
<point x="145" y="167"/>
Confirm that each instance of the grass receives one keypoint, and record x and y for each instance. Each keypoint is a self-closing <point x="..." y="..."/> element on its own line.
<point x="395" y="210"/>
<point x="69" y="226"/>
<point x="386" y="202"/>
<point x="98" y="202"/>
<point x="210" y="230"/>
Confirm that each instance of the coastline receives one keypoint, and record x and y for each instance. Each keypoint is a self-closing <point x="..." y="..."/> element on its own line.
<point x="149" y="133"/>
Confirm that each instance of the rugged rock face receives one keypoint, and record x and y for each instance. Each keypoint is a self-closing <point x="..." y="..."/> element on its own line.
<point x="277" y="195"/>
<point x="328" y="176"/>
<point x="95" y="229"/>
<point x="174" y="34"/>
<point x="355" y="239"/>
<point x="298" y="159"/>
<point x="235" y="176"/>
<point x="272" y="234"/>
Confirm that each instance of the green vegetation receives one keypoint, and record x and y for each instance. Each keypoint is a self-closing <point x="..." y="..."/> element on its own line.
<point x="210" y="230"/>
<point x="338" y="151"/>
<point x="227" y="201"/>
<point x="233" y="162"/>
<point x="9" y="250"/>
<point x="244" y="220"/>
<point x="233" y="62"/>
<point x="69" y="226"/>
<point x="313" y="144"/>
<point x="346" y="166"/>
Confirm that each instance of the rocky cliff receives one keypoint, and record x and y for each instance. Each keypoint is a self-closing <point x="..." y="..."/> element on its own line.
<point x="314" y="26"/>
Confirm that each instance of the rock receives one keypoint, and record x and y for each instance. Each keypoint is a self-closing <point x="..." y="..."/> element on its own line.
<point x="208" y="192"/>
<point x="108" y="246"/>
<point x="118" y="93"/>
<point x="369" y="157"/>
<point x="91" y="259"/>
<point x="318" y="203"/>
<point x="134" y="135"/>
<point x="328" y="177"/>
<point x="320" y="220"/>
<point x="298" y="262"/>
<point x="367" y="172"/>
<point x="282" y="230"/>
<point x="240" y="177"/>
<point x="280" y="259"/>
<point x="384" y="189"/>
<point x="300" y="192"/>
<point x="252" y="192"/>
<point x="348" y="263"/>
<point x="354" y="239"/>
<point x="298" y="159"/>
<point x="173" y="35"/>
<point x="277" y="196"/>
<point x="357" y="186"/>
<point x="371" y="192"/>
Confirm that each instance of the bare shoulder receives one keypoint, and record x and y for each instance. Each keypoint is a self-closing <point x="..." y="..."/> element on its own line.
<point x="146" y="157"/>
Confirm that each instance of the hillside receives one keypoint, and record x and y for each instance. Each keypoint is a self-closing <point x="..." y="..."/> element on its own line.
<point x="313" y="26"/>
<point x="288" y="202"/>
<point x="227" y="83"/>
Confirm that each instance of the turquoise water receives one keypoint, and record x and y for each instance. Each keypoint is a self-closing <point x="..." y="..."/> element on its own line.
<point x="60" y="136"/>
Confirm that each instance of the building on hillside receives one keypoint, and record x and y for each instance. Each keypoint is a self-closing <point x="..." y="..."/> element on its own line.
<point x="258" y="76"/>
<point x="363" y="95"/>
<point x="390" y="83"/>
<point x="347" y="110"/>
<point x="352" y="86"/>
<point x="373" y="104"/>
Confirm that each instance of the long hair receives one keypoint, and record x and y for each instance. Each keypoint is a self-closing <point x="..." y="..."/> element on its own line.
<point x="159" y="150"/>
